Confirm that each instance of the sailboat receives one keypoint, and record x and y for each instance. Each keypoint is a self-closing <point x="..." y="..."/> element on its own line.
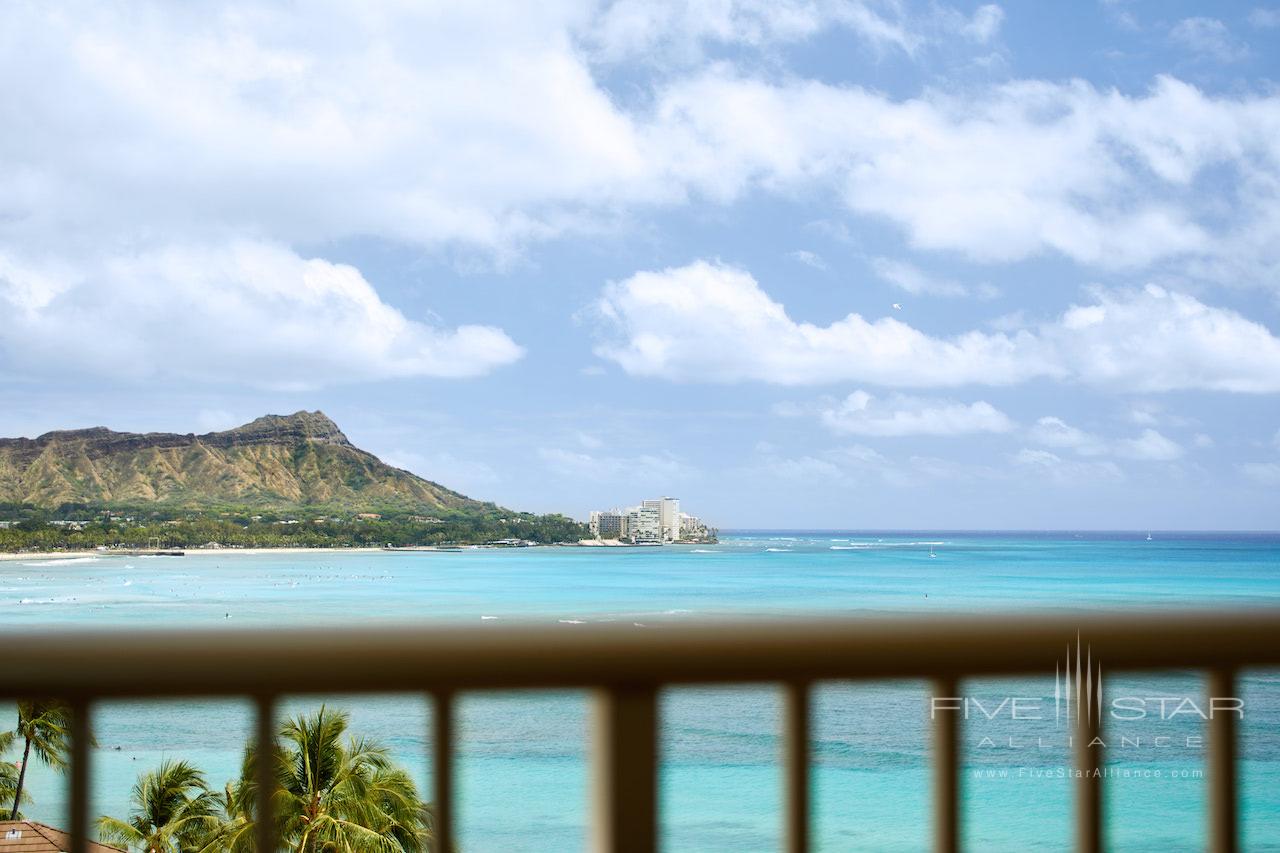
<point x="931" y="554"/>
<point x="1148" y="537"/>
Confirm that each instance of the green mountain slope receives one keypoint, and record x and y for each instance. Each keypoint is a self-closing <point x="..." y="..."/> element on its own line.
<point x="274" y="462"/>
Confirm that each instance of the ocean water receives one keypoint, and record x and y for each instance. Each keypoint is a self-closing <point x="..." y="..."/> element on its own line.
<point x="522" y="760"/>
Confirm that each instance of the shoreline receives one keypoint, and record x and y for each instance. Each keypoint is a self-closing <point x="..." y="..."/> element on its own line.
<point x="71" y="555"/>
<point x="9" y="556"/>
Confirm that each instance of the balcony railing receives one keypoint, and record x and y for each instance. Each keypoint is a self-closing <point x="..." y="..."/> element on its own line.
<point x="627" y="666"/>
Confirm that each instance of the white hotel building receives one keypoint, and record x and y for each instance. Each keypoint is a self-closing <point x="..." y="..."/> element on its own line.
<point x="653" y="522"/>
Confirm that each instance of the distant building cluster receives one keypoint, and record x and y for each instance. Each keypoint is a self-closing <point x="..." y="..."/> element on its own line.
<point x="654" y="522"/>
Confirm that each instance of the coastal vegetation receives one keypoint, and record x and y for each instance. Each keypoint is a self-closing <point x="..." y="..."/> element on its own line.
<point x="42" y="730"/>
<point x="334" y="791"/>
<point x="80" y="527"/>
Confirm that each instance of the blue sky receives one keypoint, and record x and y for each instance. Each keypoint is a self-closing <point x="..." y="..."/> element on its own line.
<point x="805" y="263"/>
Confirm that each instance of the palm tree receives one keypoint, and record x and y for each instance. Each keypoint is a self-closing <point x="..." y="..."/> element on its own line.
<point x="347" y="797"/>
<point x="9" y="782"/>
<point x="331" y="796"/>
<point x="234" y="832"/>
<point x="173" y="812"/>
<point x="43" y="727"/>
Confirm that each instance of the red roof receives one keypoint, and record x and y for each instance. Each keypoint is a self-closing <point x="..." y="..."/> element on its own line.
<point x="27" y="836"/>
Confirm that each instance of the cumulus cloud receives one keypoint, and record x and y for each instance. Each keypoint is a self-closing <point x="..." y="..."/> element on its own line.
<point x="168" y="126"/>
<point x="1106" y="179"/>
<point x="859" y="464"/>
<point x="809" y="259"/>
<point x="675" y="30"/>
<point x="688" y="324"/>
<point x="1208" y="37"/>
<point x="251" y="313"/>
<point x="985" y="23"/>
<point x="1055" y="432"/>
<point x="1149" y="445"/>
<point x="911" y="279"/>
<point x="467" y="124"/>
<point x="862" y="414"/>
<point x="1067" y="472"/>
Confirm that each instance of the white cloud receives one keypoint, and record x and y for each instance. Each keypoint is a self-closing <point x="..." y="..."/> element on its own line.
<point x="1150" y="446"/>
<point x="1210" y="38"/>
<point x="1067" y="472"/>
<point x="1156" y="340"/>
<point x="170" y="126"/>
<point x="913" y="280"/>
<point x="469" y="477"/>
<point x="809" y="259"/>
<point x="1152" y="413"/>
<point x="862" y="414"/>
<point x="675" y="30"/>
<point x="469" y="125"/>
<point x="688" y="324"/>
<point x="1145" y="413"/>
<point x="804" y="469"/>
<point x="985" y="23"/>
<point x="249" y="313"/>
<point x="846" y="465"/>
<point x="1263" y="473"/>
<point x="1202" y="440"/>
<point x="1055" y="432"/>
<point x="1022" y="169"/>
<point x="640" y="468"/>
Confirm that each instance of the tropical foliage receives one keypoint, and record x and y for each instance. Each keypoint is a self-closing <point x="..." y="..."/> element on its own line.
<point x="343" y="793"/>
<point x="43" y="726"/>
<point x="9" y="785"/>
<point x="335" y="793"/>
<point x="80" y="526"/>
<point x="173" y="810"/>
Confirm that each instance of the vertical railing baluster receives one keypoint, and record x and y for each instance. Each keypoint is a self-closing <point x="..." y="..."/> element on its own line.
<point x="1089" y="762"/>
<point x="625" y="769"/>
<point x="795" y="735"/>
<point x="264" y="827"/>
<point x="1224" y="832"/>
<point x="946" y="770"/>
<point x="81" y="767"/>
<point x="442" y="752"/>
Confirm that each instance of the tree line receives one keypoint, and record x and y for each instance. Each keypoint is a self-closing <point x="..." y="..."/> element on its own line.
<point x="39" y="533"/>
<point x="334" y="792"/>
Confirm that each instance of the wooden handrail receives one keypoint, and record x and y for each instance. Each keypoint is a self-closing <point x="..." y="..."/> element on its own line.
<point x="186" y="663"/>
<point x="626" y="665"/>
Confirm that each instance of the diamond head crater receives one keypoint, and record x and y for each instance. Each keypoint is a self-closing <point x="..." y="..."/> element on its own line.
<point x="278" y="481"/>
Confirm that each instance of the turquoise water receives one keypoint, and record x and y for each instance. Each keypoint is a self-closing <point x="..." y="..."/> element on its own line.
<point x="522" y="762"/>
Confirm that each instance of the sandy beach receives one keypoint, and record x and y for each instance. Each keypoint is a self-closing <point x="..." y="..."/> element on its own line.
<point x="193" y="552"/>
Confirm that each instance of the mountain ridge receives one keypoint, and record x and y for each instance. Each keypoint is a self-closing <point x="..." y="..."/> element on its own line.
<point x="274" y="461"/>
